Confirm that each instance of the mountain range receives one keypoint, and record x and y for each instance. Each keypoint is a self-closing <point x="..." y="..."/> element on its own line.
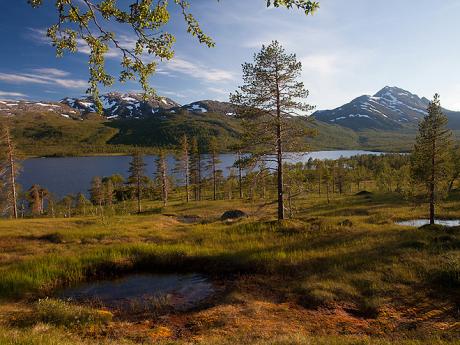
<point x="385" y="121"/>
<point x="391" y="108"/>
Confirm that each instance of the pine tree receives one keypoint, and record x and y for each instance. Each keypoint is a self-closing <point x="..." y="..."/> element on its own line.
<point x="341" y="176"/>
<point x="137" y="177"/>
<point x="81" y="203"/>
<point x="9" y="169"/>
<point x="230" y="183"/>
<point x="44" y="194"/>
<point x="67" y="202"/>
<point x="213" y="163"/>
<point x="269" y="99"/>
<point x="240" y="173"/>
<point x="319" y="166"/>
<point x="328" y="177"/>
<point x="109" y="192"/>
<point x="431" y="160"/>
<point x="162" y="176"/>
<point x="97" y="192"/>
<point x="35" y="201"/>
<point x="183" y="165"/>
<point x="196" y="168"/>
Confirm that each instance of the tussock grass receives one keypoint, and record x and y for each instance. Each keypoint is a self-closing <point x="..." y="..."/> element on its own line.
<point x="61" y="313"/>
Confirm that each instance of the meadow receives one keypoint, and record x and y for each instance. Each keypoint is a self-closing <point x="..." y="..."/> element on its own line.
<point x="339" y="273"/>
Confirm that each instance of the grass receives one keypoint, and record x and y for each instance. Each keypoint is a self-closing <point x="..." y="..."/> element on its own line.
<point x="341" y="273"/>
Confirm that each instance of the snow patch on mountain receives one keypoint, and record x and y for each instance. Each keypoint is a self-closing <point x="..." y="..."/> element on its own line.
<point x="390" y="108"/>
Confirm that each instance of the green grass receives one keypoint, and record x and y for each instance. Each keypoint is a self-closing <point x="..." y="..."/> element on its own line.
<point x="347" y="255"/>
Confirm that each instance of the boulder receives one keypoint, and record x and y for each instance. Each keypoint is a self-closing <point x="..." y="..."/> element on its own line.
<point x="233" y="214"/>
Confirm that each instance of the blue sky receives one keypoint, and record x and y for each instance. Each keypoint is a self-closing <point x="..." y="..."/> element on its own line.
<point x="348" y="48"/>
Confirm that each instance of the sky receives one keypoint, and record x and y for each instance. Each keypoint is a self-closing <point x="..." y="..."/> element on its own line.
<point x="347" y="49"/>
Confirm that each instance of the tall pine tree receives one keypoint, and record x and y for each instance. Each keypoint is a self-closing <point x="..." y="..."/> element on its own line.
<point x="183" y="164"/>
<point x="431" y="160"/>
<point x="213" y="149"/>
<point x="196" y="168"/>
<point x="269" y="99"/>
<point x="9" y="169"/>
<point x="137" y="177"/>
<point x="162" y="176"/>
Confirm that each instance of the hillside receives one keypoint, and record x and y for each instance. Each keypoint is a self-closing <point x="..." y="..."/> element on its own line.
<point x="386" y="121"/>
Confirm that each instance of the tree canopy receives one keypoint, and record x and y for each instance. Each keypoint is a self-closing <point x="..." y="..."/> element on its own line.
<point x="431" y="162"/>
<point x="272" y="102"/>
<point x="86" y="23"/>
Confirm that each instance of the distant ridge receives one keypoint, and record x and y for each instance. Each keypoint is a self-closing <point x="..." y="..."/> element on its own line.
<point x="392" y="108"/>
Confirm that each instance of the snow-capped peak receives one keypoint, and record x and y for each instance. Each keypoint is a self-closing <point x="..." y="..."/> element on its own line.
<point x="389" y="108"/>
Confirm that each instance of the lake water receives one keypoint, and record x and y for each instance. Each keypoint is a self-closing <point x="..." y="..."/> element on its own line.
<point x="143" y="292"/>
<point x="421" y="222"/>
<point x="72" y="175"/>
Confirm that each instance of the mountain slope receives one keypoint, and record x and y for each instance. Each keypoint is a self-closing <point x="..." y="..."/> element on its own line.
<point x="391" y="108"/>
<point x="13" y="108"/>
<point x="118" y="105"/>
<point x="386" y="121"/>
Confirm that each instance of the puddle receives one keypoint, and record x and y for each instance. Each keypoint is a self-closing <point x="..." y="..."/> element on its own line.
<point x="421" y="222"/>
<point x="144" y="292"/>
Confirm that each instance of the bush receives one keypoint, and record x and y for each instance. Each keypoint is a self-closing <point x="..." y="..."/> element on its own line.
<point x="54" y="237"/>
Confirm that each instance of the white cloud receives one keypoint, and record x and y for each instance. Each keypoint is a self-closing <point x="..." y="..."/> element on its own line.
<point x="198" y="71"/>
<point x="44" y="76"/>
<point x="52" y="72"/>
<point x="11" y="94"/>
<point x="21" y="79"/>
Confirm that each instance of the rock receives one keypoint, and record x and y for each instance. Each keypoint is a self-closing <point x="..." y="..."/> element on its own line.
<point x="233" y="214"/>
<point x="363" y="192"/>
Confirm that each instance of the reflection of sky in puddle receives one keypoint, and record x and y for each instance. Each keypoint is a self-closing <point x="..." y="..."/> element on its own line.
<point x="420" y="222"/>
<point x="180" y="292"/>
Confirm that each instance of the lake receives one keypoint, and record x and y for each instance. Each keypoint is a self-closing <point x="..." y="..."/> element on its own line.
<point x="72" y="175"/>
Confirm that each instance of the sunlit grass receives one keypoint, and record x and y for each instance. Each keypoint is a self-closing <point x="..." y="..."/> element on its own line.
<point x="348" y="252"/>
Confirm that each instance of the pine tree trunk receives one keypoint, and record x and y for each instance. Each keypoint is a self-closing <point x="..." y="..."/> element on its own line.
<point x="432" y="184"/>
<point x="12" y="173"/>
<point x="214" y="177"/>
<point x="139" y="206"/>
<point x="165" y="183"/>
<point x="319" y="184"/>
<point x="240" y="176"/>
<point x="199" y="177"/>
<point x="279" y="159"/>
<point x="187" y="177"/>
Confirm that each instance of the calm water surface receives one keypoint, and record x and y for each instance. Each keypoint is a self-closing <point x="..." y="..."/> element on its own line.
<point x="72" y="175"/>
<point x="421" y="222"/>
<point x="177" y="291"/>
